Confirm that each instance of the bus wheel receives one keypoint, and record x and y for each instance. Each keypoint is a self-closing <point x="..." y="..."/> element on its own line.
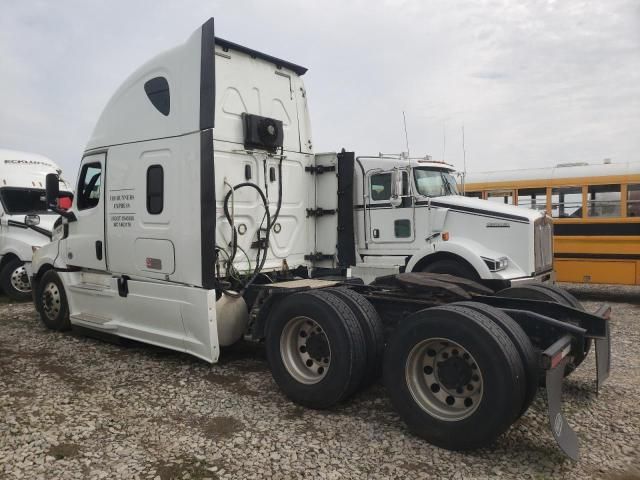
<point x="452" y="267"/>
<point x="454" y="377"/>
<point x="550" y="294"/>
<point x="372" y="329"/>
<point x="51" y="302"/>
<point x="15" y="281"/>
<point x="520" y="340"/>
<point x="315" y="348"/>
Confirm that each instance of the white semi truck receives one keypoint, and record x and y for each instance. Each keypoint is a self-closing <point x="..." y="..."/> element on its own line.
<point x="202" y="216"/>
<point x="25" y="221"/>
<point x="409" y="215"/>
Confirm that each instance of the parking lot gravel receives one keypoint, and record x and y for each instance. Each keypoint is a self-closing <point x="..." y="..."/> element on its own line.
<point x="73" y="406"/>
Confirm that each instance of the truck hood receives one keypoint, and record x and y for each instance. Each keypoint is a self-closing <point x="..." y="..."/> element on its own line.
<point x="484" y="207"/>
<point x="46" y="220"/>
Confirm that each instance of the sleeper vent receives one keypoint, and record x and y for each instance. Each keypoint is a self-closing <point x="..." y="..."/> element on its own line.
<point x="157" y="89"/>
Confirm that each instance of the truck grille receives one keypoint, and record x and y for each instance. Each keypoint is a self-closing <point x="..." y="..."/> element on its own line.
<point x="543" y="244"/>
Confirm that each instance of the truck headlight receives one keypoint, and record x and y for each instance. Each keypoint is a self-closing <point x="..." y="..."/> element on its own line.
<point x="495" y="265"/>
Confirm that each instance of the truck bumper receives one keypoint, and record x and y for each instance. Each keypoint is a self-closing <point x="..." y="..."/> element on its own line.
<point x="544" y="277"/>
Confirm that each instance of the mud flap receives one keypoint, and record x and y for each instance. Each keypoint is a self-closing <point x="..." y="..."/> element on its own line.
<point x="603" y="358"/>
<point x="563" y="433"/>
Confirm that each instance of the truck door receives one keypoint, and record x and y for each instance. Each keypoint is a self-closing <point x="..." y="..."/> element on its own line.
<point x="85" y="244"/>
<point x="388" y="224"/>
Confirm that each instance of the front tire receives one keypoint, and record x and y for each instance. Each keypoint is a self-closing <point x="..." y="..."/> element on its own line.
<point x="454" y="377"/>
<point x="51" y="302"/>
<point x="15" y="281"/>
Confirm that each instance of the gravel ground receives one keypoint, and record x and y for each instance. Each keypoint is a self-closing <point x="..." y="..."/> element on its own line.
<point x="72" y="406"/>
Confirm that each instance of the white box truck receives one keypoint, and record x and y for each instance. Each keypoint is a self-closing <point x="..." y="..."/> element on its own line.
<point x="25" y="222"/>
<point x="202" y="216"/>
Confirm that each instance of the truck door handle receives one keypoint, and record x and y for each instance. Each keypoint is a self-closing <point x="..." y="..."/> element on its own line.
<point x="376" y="233"/>
<point x="99" y="249"/>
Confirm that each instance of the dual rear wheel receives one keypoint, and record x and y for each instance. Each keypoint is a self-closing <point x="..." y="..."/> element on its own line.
<point x="459" y="375"/>
<point x="324" y="345"/>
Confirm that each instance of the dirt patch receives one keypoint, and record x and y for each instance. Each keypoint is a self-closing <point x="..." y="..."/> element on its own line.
<point x="64" y="450"/>
<point x="75" y="382"/>
<point x="231" y="383"/>
<point x="247" y="366"/>
<point x="178" y="468"/>
<point x="222" y="427"/>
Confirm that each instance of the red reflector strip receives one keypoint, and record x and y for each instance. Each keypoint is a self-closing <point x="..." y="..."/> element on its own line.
<point x="557" y="358"/>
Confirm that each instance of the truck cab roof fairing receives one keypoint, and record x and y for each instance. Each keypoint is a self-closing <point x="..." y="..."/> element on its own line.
<point x="189" y="70"/>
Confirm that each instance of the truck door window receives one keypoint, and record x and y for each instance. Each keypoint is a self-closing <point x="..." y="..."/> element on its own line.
<point x="402" y="228"/>
<point x="155" y="189"/>
<point x="380" y="187"/>
<point x="89" y="186"/>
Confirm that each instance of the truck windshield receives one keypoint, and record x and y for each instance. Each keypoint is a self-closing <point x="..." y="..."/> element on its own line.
<point x="23" y="200"/>
<point x="434" y="183"/>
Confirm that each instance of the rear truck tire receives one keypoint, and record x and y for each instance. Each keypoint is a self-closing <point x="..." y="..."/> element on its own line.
<point x="521" y="341"/>
<point x="15" y="281"/>
<point x="315" y="348"/>
<point x="51" y="302"/>
<point x="551" y="294"/>
<point x="454" y="376"/>
<point x="452" y="267"/>
<point x="372" y="329"/>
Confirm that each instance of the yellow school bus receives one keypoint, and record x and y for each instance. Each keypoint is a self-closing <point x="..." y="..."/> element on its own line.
<point x="596" y="212"/>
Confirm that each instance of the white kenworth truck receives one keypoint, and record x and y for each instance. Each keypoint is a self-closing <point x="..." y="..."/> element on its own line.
<point x="25" y="221"/>
<point x="409" y="214"/>
<point x="202" y="216"/>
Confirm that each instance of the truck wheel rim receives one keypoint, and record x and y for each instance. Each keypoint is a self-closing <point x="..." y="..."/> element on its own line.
<point x="51" y="301"/>
<point x="444" y="379"/>
<point x="20" y="280"/>
<point x="305" y="350"/>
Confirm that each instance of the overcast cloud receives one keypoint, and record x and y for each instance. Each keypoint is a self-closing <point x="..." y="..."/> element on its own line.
<point x="533" y="82"/>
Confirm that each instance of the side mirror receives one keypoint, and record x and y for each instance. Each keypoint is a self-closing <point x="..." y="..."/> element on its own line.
<point x="53" y="190"/>
<point x="396" y="188"/>
<point x="32" y="220"/>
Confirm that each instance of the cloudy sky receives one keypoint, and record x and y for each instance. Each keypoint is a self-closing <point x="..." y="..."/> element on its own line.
<point x="533" y="83"/>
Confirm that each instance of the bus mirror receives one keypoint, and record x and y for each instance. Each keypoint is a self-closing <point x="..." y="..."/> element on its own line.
<point x="396" y="188"/>
<point x="53" y="190"/>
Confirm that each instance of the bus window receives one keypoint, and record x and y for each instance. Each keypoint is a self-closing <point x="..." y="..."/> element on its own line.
<point x="502" y="196"/>
<point x="473" y="194"/>
<point x="566" y="202"/>
<point x="633" y="200"/>
<point x="535" y="198"/>
<point x="603" y="201"/>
